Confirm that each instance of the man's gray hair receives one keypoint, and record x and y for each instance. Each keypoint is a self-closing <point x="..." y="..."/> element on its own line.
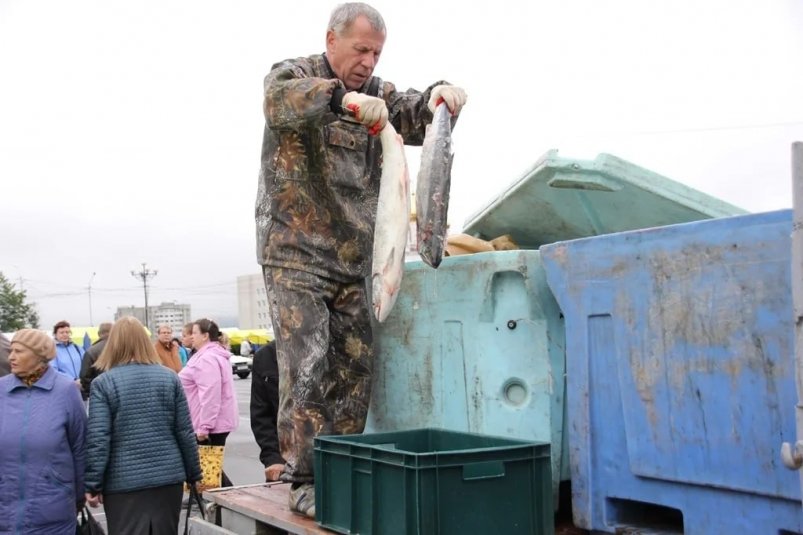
<point x="344" y="15"/>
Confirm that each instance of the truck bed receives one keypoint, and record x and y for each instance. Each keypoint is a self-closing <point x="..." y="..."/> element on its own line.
<point x="259" y="509"/>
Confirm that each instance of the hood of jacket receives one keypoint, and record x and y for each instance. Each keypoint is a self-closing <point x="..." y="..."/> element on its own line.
<point x="214" y="348"/>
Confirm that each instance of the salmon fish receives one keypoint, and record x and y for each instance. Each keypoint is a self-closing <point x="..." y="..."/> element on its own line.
<point x="392" y="224"/>
<point x="432" y="189"/>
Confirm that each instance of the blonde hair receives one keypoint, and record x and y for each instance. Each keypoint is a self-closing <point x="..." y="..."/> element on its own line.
<point x="128" y="343"/>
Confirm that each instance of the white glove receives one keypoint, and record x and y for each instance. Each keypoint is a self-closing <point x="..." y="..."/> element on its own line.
<point x="370" y="111"/>
<point x="453" y="96"/>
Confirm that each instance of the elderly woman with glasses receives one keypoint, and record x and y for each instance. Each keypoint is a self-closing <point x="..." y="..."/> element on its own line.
<point x="42" y="441"/>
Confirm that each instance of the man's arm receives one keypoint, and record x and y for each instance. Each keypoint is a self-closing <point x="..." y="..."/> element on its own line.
<point x="294" y="100"/>
<point x="408" y="111"/>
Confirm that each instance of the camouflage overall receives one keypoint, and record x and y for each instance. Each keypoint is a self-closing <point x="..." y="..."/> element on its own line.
<point x="324" y="351"/>
<point x="315" y="215"/>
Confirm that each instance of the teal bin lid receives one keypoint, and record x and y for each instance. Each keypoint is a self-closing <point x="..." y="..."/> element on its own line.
<point x="563" y="199"/>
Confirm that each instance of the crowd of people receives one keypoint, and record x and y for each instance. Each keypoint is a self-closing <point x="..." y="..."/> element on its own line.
<point x="117" y="425"/>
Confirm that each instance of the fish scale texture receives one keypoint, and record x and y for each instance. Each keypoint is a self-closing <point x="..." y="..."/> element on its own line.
<point x="140" y="432"/>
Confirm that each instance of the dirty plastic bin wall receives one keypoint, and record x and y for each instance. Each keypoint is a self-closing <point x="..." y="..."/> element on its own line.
<point x="477" y="346"/>
<point x="680" y="361"/>
<point x="432" y="481"/>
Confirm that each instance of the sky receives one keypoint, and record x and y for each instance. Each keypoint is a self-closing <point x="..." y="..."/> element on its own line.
<point x="130" y="132"/>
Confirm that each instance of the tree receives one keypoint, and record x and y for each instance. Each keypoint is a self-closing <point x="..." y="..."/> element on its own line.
<point x="15" y="313"/>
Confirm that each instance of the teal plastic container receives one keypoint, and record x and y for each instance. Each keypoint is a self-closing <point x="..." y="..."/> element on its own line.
<point x="562" y="199"/>
<point x="475" y="346"/>
<point x="432" y="481"/>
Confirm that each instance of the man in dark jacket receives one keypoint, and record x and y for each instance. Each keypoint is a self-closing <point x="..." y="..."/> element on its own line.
<point x="88" y="371"/>
<point x="264" y="410"/>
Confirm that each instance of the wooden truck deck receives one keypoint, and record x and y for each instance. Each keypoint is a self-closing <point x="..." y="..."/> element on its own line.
<point x="254" y="509"/>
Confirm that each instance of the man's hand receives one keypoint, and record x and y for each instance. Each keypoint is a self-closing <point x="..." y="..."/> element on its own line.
<point x="453" y="96"/>
<point x="273" y="472"/>
<point x="94" y="501"/>
<point x="370" y="111"/>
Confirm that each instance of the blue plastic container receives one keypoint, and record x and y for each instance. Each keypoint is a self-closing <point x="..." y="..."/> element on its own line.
<point x="680" y="361"/>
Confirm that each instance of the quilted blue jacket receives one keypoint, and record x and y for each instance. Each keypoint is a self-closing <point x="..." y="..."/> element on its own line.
<point x="140" y="433"/>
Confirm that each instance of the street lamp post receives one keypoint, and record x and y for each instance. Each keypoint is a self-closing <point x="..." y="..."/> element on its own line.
<point x="145" y="274"/>
<point x="89" y="291"/>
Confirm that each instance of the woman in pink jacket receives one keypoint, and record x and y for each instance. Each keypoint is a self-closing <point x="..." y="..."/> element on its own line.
<point x="209" y="387"/>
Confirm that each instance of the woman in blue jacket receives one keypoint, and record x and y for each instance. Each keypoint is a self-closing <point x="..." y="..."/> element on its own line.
<point x="68" y="354"/>
<point x="140" y="445"/>
<point x="42" y="441"/>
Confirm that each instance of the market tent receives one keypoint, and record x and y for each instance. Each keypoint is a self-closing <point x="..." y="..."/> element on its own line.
<point x="255" y="336"/>
<point x="235" y="335"/>
<point x="259" y="336"/>
<point x="78" y="333"/>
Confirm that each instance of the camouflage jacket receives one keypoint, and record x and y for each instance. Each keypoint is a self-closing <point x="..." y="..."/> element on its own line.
<point x="319" y="178"/>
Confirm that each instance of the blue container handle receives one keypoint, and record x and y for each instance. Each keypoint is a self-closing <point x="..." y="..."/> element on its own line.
<point x="483" y="470"/>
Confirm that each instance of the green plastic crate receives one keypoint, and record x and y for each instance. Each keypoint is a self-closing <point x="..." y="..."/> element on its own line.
<point x="432" y="481"/>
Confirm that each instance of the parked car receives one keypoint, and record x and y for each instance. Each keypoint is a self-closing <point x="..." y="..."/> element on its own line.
<point x="241" y="366"/>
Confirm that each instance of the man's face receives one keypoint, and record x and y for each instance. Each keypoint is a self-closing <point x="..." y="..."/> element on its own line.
<point x="63" y="334"/>
<point x="165" y="335"/>
<point x="354" y="54"/>
<point x="186" y="338"/>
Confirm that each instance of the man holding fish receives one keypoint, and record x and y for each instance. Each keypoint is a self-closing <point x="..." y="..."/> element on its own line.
<point x="322" y="160"/>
